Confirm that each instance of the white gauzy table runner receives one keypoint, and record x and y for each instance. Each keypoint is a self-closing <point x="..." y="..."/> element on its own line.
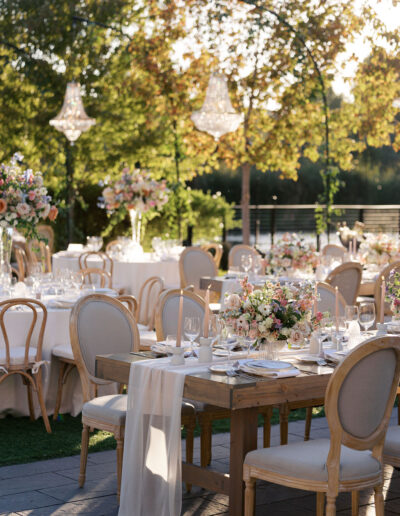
<point x="151" y="475"/>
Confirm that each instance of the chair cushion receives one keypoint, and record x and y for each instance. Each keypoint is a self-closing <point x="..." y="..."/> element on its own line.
<point x="147" y="337"/>
<point x="392" y="442"/>
<point x="63" y="351"/>
<point x="307" y="460"/>
<point x="108" y="409"/>
<point x="17" y="354"/>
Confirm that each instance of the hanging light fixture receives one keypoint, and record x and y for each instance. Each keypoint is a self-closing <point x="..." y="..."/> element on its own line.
<point x="217" y="116"/>
<point x="72" y="119"/>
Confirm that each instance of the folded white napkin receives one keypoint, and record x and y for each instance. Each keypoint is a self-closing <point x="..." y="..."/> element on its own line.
<point x="285" y="373"/>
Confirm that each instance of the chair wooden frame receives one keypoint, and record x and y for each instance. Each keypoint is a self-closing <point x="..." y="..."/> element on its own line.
<point x="47" y="232"/>
<point x="111" y="244"/>
<point x="385" y="272"/>
<point x="105" y="276"/>
<point x="218" y="251"/>
<point x="107" y="262"/>
<point x="334" y="247"/>
<point x="90" y="383"/>
<point x="22" y="262"/>
<point x="237" y="249"/>
<point x="344" y="267"/>
<point x="68" y="364"/>
<point x="145" y="294"/>
<point x="339" y="436"/>
<point x="30" y="379"/>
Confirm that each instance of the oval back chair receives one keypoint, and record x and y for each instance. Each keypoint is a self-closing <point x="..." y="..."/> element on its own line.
<point x="338" y="251"/>
<point x="384" y="273"/>
<point x="216" y="251"/>
<point x="195" y="263"/>
<point x="327" y="299"/>
<point x="347" y="277"/>
<point x="236" y="253"/>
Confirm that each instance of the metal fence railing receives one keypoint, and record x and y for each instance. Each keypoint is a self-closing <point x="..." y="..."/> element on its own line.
<point x="268" y="221"/>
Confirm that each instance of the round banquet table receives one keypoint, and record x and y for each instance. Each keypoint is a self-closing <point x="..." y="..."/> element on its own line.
<point x="13" y="394"/>
<point x="128" y="275"/>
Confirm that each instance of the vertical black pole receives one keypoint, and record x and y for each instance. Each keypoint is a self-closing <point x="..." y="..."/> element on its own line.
<point x="70" y="194"/>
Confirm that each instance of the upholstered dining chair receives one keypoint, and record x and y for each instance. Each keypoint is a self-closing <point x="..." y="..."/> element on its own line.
<point x="64" y="355"/>
<point x="149" y="295"/>
<point x="347" y="277"/>
<point x="106" y="262"/>
<point x="216" y="250"/>
<point x="337" y="251"/>
<point x="351" y="460"/>
<point x="384" y="273"/>
<point x="25" y="361"/>
<point x="195" y="263"/>
<point x="100" y="324"/>
<point x="236" y="253"/>
<point x="98" y="277"/>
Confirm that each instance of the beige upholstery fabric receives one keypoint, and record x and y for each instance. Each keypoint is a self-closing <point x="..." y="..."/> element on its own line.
<point x="102" y="328"/>
<point x="170" y="313"/>
<point x="334" y="250"/>
<point x="348" y="284"/>
<point x="364" y="393"/>
<point x="17" y="355"/>
<point x="110" y="409"/>
<point x="307" y="460"/>
<point x="64" y="351"/>
<point x="327" y="301"/>
<point x="197" y="264"/>
<point x="392" y="442"/>
<point x="235" y="255"/>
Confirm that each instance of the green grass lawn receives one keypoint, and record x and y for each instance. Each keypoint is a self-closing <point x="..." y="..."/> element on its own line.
<point x="24" y="441"/>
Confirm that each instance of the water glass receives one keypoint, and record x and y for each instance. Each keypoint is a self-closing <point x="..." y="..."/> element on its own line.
<point x="350" y="314"/>
<point x="366" y="315"/>
<point x="246" y="261"/>
<point x="257" y="265"/>
<point x="191" y="328"/>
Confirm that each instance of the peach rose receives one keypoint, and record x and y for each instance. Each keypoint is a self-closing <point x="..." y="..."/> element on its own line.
<point x="53" y="213"/>
<point x="3" y="205"/>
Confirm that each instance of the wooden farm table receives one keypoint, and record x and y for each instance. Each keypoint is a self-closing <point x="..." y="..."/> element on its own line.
<point x="243" y="397"/>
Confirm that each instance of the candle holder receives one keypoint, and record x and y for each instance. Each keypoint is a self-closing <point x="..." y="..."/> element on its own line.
<point x="178" y="356"/>
<point x="205" y="350"/>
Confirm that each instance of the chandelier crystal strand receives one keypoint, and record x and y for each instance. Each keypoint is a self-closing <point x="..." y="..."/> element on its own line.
<point x="72" y="119"/>
<point x="217" y="116"/>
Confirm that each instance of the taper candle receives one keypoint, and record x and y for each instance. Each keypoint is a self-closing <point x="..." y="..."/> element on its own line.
<point x="207" y="313"/>
<point x="315" y="300"/>
<point x="179" y="329"/>
<point x="337" y="308"/>
<point x="383" y="293"/>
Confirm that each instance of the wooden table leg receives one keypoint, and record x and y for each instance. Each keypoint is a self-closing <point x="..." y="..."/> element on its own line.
<point x="243" y="440"/>
<point x="284" y="422"/>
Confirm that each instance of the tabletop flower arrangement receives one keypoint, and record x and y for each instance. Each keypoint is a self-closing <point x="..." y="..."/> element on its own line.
<point x="274" y="312"/>
<point x="378" y="249"/>
<point x="393" y="292"/>
<point x="292" y="252"/>
<point x="24" y="201"/>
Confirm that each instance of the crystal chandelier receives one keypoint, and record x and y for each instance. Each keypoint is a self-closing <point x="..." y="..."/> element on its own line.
<point x="217" y="115"/>
<point x="72" y="119"/>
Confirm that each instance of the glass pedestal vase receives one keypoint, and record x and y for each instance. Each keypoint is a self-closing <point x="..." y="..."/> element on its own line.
<point x="269" y="350"/>
<point x="6" y="235"/>
<point x="136" y="225"/>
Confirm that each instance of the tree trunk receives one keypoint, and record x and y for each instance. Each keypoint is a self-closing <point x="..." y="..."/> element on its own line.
<point x="245" y="203"/>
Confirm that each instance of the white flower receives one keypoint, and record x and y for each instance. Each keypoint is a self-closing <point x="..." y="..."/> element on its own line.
<point x="286" y="332"/>
<point x="232" y="302"/>
<point x="264" y="309"/>
<point x="269" y="322"/>
<point x="296" y="338"/>
<point x="22" y="209"/>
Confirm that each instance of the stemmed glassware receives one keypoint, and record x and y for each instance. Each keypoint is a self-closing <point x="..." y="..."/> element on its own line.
<point x="246" y="261"/>
<point x="350" y="314"/>
<point x="257" y="265"/>
<point x="366" y="315"/>
<point x="191" y="328"/>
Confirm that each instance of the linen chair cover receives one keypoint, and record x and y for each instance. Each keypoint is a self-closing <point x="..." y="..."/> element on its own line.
<point x="385" y="273"/>
<point x="167" y="311"/>
<point x="195" y="263"/>
<point x="216" y="250"/>
<point x="106" y="261"/>
<point x="25" y="361"/>
<point x="347" y="277"/>
<point x="98" y="277"/>
<point x="337" y="251"/>
<point x="327" y="299"/>
<point x="359" y="401"/>
<point x="236" y="253"/>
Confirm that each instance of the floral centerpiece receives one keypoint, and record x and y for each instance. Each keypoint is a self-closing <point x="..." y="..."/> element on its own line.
<point x="347" y="235"/>
<point x="24" y="201"/>
<point x="378" y="249"/>
<point x="274" y="312"/>
<point x="393" y="292"/>
<point x="292" y="252"/>
<point x="135" y="192"/>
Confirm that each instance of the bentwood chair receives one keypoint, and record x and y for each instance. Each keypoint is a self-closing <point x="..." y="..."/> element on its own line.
<point x="45" y="231"/>
<point x="195" y="263"/>
<point x="64" y="355"/>
<point x="347" y="277"/>
<point x="337" y="251"/>
<point x="216" y="251"/>
<point x="98" y="277"/>
<point x="351" y="460"/>
<point x="39" y="253"/>
<point x="106" y="263"/>
<point x="25" y="361"/>
<point x="236" y="253"/>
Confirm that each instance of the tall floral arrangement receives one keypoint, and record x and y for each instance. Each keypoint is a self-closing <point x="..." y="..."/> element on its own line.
<point x="134" y="190"/>
<point x="378" y="248"/>
<point x="273" y="312"/>
<point x="24" y="201"/>
<point x="292" y="252"/>
<point x="393" y="292"/>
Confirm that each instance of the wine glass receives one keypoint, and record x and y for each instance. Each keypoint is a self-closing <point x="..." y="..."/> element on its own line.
<point x="366" y="315"/>
<point x="191" y="328"/>
<point x="246" y="261"/>
<point x="257" y="265"/>
<point x="350" y="314"/>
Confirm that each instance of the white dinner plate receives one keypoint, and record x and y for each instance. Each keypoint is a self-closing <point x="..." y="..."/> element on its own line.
<point x="308" y="359"/>
<point x="220" y="368"/>
<point x="270" y="365"/>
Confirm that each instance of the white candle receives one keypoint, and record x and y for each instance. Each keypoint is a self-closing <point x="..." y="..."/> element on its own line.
<point x="383" y="292"/>
<point x="315" y="300"/>
<point x="337" y="307"/>
<point x="355" y="246"/>
<point x="207" y="313"/>
<point x="350" y="248"/>
<point x="179" y="330"/>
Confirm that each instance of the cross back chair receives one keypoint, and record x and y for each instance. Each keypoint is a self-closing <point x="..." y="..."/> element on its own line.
<point x="90" y="275"/>
<point x="358" y="403"/>
<point x="337" y="251"/>
<point x="26" y="360"/>
<point x="100" y="324"/>
<point x="216" y="251"/>
<point x="195" y="263"/>
<point x="347" y="277"/>
<point x="64" y="355"/>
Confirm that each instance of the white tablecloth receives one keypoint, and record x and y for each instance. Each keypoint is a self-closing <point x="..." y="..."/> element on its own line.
<point x="128" y="275"/>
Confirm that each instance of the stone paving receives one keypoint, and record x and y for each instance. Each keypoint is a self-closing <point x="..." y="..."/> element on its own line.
<point x="50" y="487"/>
